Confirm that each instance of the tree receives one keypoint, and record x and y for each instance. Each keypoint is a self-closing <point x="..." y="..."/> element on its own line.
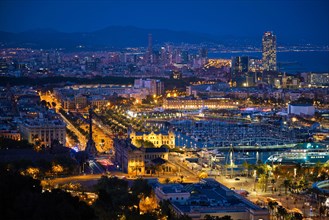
<point x="277" y="171"/>
<point x="148" y="204"/>
<point x="272" y="205"/>
<point x="226" y="217"/>
<point x="286" y="184"/>
<point x="167" y="180"/>
<point x="53" y="104"/>
<point x="184" y="217"/>
<point x="22" y="198"/>
<point x="246" y="166"/>
<point x="43" y="103"/>
<point x="144" y="143"/>
<point x="209" y="217"/>
<point x="141" y="187"/>
<point x="282" y="212"/>
<point x="32" y="171"/>
<point x="57" y="169"/>
<point x="13" y="144"/>
<point x="158" y="168"/>
<point x="114" y="198"/>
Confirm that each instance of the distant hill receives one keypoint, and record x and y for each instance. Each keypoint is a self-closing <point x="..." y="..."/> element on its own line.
<point x="113" y="36"/>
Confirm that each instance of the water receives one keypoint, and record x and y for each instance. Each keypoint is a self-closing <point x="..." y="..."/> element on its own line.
<point x="240" y="157"/>
<point x="290" y="62"/>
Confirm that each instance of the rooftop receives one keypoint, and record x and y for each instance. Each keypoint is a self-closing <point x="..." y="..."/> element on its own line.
<point x="210" y="196"/>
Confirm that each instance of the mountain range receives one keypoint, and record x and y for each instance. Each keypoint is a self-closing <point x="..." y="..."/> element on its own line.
<point x="110" y="37"/>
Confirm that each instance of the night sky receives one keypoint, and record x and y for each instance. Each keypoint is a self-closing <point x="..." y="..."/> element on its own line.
<point x="289" y="19"/>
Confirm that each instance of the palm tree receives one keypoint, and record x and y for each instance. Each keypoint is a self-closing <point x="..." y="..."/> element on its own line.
<point x="286" y="184"/>
<point x="246" y="166"/>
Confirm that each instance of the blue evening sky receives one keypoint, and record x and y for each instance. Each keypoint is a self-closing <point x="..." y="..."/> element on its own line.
<point x="290" y="19"/>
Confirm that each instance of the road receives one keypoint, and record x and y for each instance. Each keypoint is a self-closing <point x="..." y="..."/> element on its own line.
<point x="183" y="170"/>
<point x="48" y="97"/>
<point x="289" y="201"/>
<point x="82" y="139"/>
<point x="95" y="168"/>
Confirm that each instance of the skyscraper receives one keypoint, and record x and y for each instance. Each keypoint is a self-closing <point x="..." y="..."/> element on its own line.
<point x="150" y="49"/>
<point x="239" y="69"/>
<point x="269" y="51"/>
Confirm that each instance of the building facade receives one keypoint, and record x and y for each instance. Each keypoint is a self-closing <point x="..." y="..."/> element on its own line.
<point x="209" y="197"/>
<point x="14" y="135"/>
<point x="43" y="131"/>
<point x="189" y="103"/>
<point x="269" y="51"/>
<point x="157" y="138"/>
<point x="141" y="161"/>
<point x="319" y="79"/>
<point x="301" y="109"/>
<point x="155" y="87"/>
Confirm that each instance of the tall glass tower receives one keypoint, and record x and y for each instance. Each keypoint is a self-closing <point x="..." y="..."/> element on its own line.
<point x="269" y="51"/>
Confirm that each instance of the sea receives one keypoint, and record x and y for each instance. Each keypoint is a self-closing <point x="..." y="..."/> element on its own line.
<point x="288" y="61"/>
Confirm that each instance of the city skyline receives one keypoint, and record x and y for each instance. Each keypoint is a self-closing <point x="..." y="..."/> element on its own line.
<point x="177" y="109"/>
<point x="291" y="20"/>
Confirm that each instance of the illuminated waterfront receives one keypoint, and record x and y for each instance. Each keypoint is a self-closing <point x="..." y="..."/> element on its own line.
<point x="290" y="61"/>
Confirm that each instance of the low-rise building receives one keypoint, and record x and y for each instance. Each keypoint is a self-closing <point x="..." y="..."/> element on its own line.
<point x="141" y="161"/>
<point x="301" y="109"/>
<point x="14" y="135"/>
<point x="186" y="103"/>
<point x="157" y="138"/>
<point x="209" y="197"/>
<point x="172" y="192"/>
<point x="43" y="130"/>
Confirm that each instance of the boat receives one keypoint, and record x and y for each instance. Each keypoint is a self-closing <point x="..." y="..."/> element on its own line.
<point x="303" y="154"/>
<point x="217" y="156"/>
<point x="244" y="156"/>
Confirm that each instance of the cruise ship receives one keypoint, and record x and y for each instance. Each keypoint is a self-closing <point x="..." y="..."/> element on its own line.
<point x="304" y="154"/>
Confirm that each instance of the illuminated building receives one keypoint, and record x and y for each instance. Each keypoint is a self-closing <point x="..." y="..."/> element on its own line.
<point x="68" y="103"/>
<point x="141" y="161"/>
<point x="239" y="69"/>
<point x="79" y="96"/>
<point x="155" y="87"/>
<point x="240" y="64"/>
<point x="208" y="197"/>
<point x="194" y="103"/>
<point x="206" y="89"/>
<point x="255" y="65"/>
<point x="319" y="78"/>
<point x="269" y="51"/>
<point x="3" y="65"/>
<point x="182" y="57"/>
<point x="171" y="192"/>
<point x="9" y="134"/>
<point x="80" y="101"/>
<point x="301" y="109"/>
<point x="218" y="63"/>
<point x="284" y="81"/>
<point x="98" y="101"/>
<point x="176" y="75"/>
<point x="157" y="138"/>
<point x="43" y="130"/>
<point x="149" y="52"/>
